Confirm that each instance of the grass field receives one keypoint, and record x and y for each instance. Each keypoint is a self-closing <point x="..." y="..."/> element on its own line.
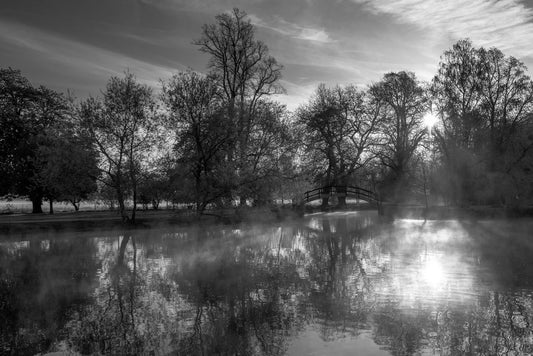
<point x="21" y="206"/>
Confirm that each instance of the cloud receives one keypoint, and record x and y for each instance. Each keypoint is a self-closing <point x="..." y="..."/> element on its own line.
<point x="41" y="51"/>
<point x="311" y="34"/>
<point x="506" y="24"/>
<point x="293" y="30"/>
<point x="296" y="94"/>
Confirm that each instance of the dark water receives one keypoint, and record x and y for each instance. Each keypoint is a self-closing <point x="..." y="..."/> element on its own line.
<point x="336" y="284"/>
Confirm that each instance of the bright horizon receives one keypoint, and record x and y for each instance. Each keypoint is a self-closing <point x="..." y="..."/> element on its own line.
<point x="77" y="46"/>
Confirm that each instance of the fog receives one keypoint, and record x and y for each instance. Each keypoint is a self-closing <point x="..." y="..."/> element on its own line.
<point x="335" y="282"/>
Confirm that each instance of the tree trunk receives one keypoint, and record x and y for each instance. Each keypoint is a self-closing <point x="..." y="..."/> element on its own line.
<point x="341" y="196"/>
<point x="134" y="204"/>
<point x="325" y="203"/>
<point x="122" y="249"/>
<point x="77" y="206"/>
<point x="122" y="208"/>
<point x="325" y="197"/>
<point x="51" y="203"/>
<point x="341" y="201"/>
<point x="36" y="203"/>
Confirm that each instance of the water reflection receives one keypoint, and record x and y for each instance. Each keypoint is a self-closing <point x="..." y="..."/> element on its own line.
<point x="40" y="281"/>
<point x="331" y="284"/>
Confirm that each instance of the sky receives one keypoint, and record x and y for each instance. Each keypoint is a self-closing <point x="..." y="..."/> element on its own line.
<point x="77" y="45"/>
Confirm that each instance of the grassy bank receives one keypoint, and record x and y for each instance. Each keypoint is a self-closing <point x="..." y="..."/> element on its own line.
<point x="85" y="220"/>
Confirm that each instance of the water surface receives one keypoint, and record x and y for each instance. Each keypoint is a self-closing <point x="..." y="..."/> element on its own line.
<point x="330" y="284"/>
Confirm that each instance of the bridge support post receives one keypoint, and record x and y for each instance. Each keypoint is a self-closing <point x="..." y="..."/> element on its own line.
<point x="324" y="194"/>
<point x="341" y="196"/>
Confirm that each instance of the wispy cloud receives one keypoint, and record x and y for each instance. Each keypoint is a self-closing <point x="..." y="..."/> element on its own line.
<point x="296" y="94"/>
<point x="75" y="59"/>
<point x="506" y="24"/>
<point x="293" y="30"/>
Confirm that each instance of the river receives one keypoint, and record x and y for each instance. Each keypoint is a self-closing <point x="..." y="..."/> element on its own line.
<point x="329" y="284"/>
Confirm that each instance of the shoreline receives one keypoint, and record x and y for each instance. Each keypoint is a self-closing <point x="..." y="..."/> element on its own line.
<point x="100" y="220"/>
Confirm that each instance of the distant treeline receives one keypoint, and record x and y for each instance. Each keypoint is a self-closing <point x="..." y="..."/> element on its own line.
<point x="221" y="138"/>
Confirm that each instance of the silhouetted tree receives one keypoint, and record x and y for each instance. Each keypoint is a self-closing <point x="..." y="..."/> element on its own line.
<point x="270" y="153"/>
<point x="339" y="126"/>
<point x="507" y="99"/>
<point x="67" y="167"/>
<point x="245" y="74"/>
<point x="405" y="103"/>
<point x="122" y="127"/>
<point x="203" y="133"/>
<point x="485" y="99"/>
<point x="25" y="114"/>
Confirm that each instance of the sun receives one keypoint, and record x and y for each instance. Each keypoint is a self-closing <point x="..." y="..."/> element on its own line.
<point x="433" y="273"/>
<point x="429" y="120"/>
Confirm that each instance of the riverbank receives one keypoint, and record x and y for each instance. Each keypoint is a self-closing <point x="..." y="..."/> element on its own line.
<point x="12" y="223"/>
<point x="82" y="220"/>
<point x="450" y="212"/>
<point x="406" y="211"/>
<point x="91" y="220"/>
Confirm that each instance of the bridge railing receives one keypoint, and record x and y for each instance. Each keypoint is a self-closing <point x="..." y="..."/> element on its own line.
<point x="341" y="190"/>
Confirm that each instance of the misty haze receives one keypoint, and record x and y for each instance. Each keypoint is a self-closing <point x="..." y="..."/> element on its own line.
<point x="266" y="177"/>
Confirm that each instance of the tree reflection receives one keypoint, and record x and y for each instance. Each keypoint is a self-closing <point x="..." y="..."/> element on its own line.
<point x="244" y="300"/>
<point x="129" y="315"/>
<point x="41" y="281"/>
<point x="412" y="287"/>
<point x="340" y="285"/>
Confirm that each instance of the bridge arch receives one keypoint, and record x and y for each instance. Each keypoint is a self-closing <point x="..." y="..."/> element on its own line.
<point x="341" y="191"/>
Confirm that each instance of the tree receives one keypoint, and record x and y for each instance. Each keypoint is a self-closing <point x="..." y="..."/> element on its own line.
<point x="405" y="103"/>
<point x="507" y="101"/>
<point x="245" y="74"/>
<point x="271" y="150"/>
<point x="123" y="129"/>
<point x="25" y="114"/>
<point x="339" y="126"/>
<point x="202" y="133"/>
<point x="485" y="100"/>
<point x="68" y="168"/>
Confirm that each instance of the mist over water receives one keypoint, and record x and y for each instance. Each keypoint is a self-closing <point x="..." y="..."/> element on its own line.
<point x="338" y="283"/>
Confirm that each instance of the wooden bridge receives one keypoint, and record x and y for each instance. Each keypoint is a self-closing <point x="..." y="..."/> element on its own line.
<point x="341" y="192"/>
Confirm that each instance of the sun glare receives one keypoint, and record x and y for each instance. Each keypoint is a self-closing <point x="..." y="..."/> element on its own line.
<point x="433" y="273"/>
<point x="430" y="120"/>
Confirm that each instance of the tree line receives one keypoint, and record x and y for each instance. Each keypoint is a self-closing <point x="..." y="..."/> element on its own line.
<point x="221" y="138"/>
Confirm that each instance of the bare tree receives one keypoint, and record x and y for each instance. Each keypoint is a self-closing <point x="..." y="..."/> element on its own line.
<point x="202" y="132"/>
<point x="244" y="72"/>
<point x="507" y="100"/>
<point x="340" y="126"/>
<point x="122" y="126"/>
<point x="485" y="100"/>
<point x="405" y="103"/>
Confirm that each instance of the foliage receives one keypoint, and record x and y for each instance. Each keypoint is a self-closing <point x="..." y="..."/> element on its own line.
<point x="245" y="75"/>
<point x="229" y="141"/>
<point x="339" y="127"/>
<point x="67" y="168"/>
<point x="202" y="131"/>
<point x="405" y="103"/>
<point x="122" y="128"/>
<point x="485" y="101"/>
<point x="26" y="113"/>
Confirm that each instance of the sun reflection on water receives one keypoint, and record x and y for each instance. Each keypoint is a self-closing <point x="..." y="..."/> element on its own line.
<point x="429" y="265"/>
<point x="432" y="273"/>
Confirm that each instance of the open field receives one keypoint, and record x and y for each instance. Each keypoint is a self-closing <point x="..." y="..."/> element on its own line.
<point x="23" y="206"/>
